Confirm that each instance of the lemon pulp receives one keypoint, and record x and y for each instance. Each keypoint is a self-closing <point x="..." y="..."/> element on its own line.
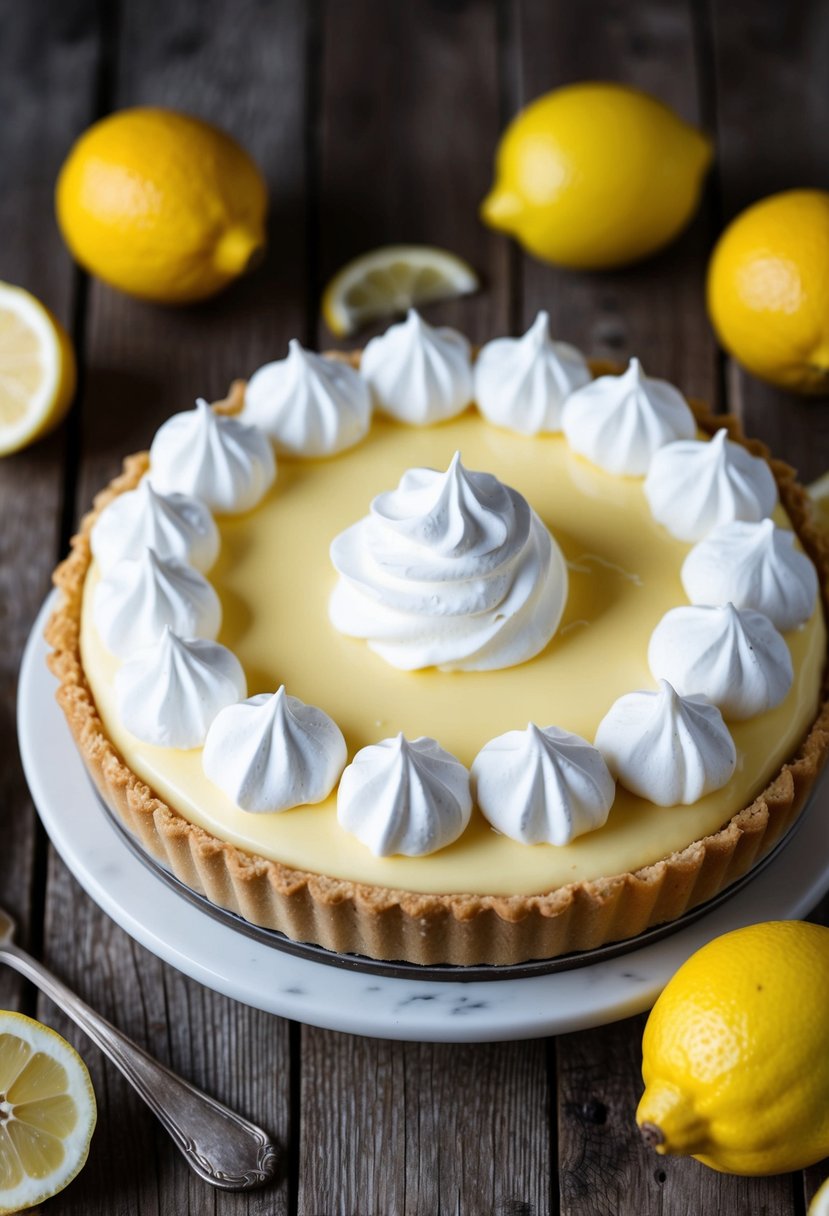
<point x="47" y="1112"/>
<point x="274" y="577"/>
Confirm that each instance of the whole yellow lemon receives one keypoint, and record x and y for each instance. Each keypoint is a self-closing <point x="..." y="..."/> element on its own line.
<point x="736" y="1052"/>
<point x="596" y="175"/>
<point x="161" y="205"/>
<point x="768" y="290"/>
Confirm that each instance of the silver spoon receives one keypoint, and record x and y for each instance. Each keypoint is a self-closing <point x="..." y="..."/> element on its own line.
<point x="220" y="1146"/>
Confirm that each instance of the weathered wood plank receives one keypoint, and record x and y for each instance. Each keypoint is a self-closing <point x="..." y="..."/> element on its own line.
<point x="415" y="1128"/>
<point x="771" y="137"/>
<point x="407" y="128"/>
<point x="408" y="124"/>
<point x="241" y="65"/>
<point x="47" y="81"/>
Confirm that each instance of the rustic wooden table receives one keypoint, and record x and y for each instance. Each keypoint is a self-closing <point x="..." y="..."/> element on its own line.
<point x="374" y="121"/>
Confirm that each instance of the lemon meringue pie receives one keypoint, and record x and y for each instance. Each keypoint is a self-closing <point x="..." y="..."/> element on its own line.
<point x="443" y="697"/>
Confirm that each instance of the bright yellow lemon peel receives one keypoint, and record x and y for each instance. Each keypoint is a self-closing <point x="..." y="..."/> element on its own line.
<point x="37" y="369"/>
<point x="736" y="1053"/>
<point x="595" y="175"/>
<point x="391" y="280"/>
<point x="768" y="290"/>
<point x="161" y="205"/>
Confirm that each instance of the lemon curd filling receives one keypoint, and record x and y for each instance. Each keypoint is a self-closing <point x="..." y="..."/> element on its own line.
<point x="274" y="578"/>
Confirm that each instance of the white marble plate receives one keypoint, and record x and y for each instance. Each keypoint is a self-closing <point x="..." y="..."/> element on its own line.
<point x="230" y="962"/>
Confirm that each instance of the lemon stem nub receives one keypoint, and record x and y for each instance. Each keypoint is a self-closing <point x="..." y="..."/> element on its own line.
<point x="668" y="1121"/>
<point x="652" y="1135"/>
<point x="238" y="251"/>
<point x="500" y="207"/>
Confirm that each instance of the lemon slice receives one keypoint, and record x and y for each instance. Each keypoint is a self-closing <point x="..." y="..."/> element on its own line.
<point x="820" y="1201"/>
<point x="391" y="280"/>
<point x="47" y="1112"/>
<point x="37" y="369"/>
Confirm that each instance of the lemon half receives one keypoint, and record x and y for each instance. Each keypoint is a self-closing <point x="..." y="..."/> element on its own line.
<point x="391" y="280"/>
<point x="37" y="369"/>
<point x="47" y="1112"/>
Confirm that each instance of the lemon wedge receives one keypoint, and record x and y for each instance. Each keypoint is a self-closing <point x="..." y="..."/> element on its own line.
<point x="820" y="1201"/>
<point x="37" y="369"/>
<point x="47" y="1112"/>
<point x="391" y="280"/>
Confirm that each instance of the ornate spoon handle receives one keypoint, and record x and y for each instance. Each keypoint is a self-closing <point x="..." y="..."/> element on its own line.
<point x="220" y="1146"/>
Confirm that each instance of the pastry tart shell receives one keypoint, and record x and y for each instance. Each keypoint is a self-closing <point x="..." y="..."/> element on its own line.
<point x="383" y="923"/>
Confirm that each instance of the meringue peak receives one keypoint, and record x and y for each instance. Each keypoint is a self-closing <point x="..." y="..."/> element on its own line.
<point x="455" y="513"/>
<point x="226" y="463"/>
<point x="405" y="797"/>
<point x="308" y="404"/>
<point x="621" y="422"/>
<point x="173" y="525"/>
<point x="522" y="383"/>
<point x="136" y="599"/>
<point x="169" y="693"/>
<point x="273" y="752"/>
<point x="542" y="785"/>
<point x="754" y="565"/>
<point x="418" y="373"/>
<point x="452" y="570"/>
<point x="668" y="748"/>
<point x="734" y="657"/>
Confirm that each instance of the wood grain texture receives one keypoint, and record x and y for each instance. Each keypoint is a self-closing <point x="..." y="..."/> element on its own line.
<point x="419" y="1128"/>
<point x="407" y="126"/>
<point x="47" y="83"/>
<point x="771" y="137"/>
<point x="241" y="65"/>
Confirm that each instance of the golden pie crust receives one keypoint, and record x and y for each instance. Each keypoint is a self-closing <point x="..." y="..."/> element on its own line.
<point x="382" y="923"/>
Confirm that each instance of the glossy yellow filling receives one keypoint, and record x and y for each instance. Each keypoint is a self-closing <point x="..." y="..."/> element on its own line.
<point x="274" y="578"/>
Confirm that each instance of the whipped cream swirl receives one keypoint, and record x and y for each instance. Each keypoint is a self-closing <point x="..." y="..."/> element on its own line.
<point x="172" y="525"/>
<point x="309" y="405"/>
<point x="620" y="422"/>
<point x="753" y="565"/>
<point x="273" y="752"/>
<point x="404" y="797"/>
<point x="542" y="785"/>
<point x="417" y="373"/>
<point x="692" y="486"/>
<point x="522" y="383"/>
<point x="170" y="692"/>
<point x="136" y="600"/>
<point x="669" y="749"/>
<point x="735" y="658"/>
<point x="224" y="462"/>
<point x="452" y="570"/>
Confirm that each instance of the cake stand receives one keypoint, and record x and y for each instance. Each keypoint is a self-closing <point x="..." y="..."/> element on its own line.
<point x="224" y="956"/>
